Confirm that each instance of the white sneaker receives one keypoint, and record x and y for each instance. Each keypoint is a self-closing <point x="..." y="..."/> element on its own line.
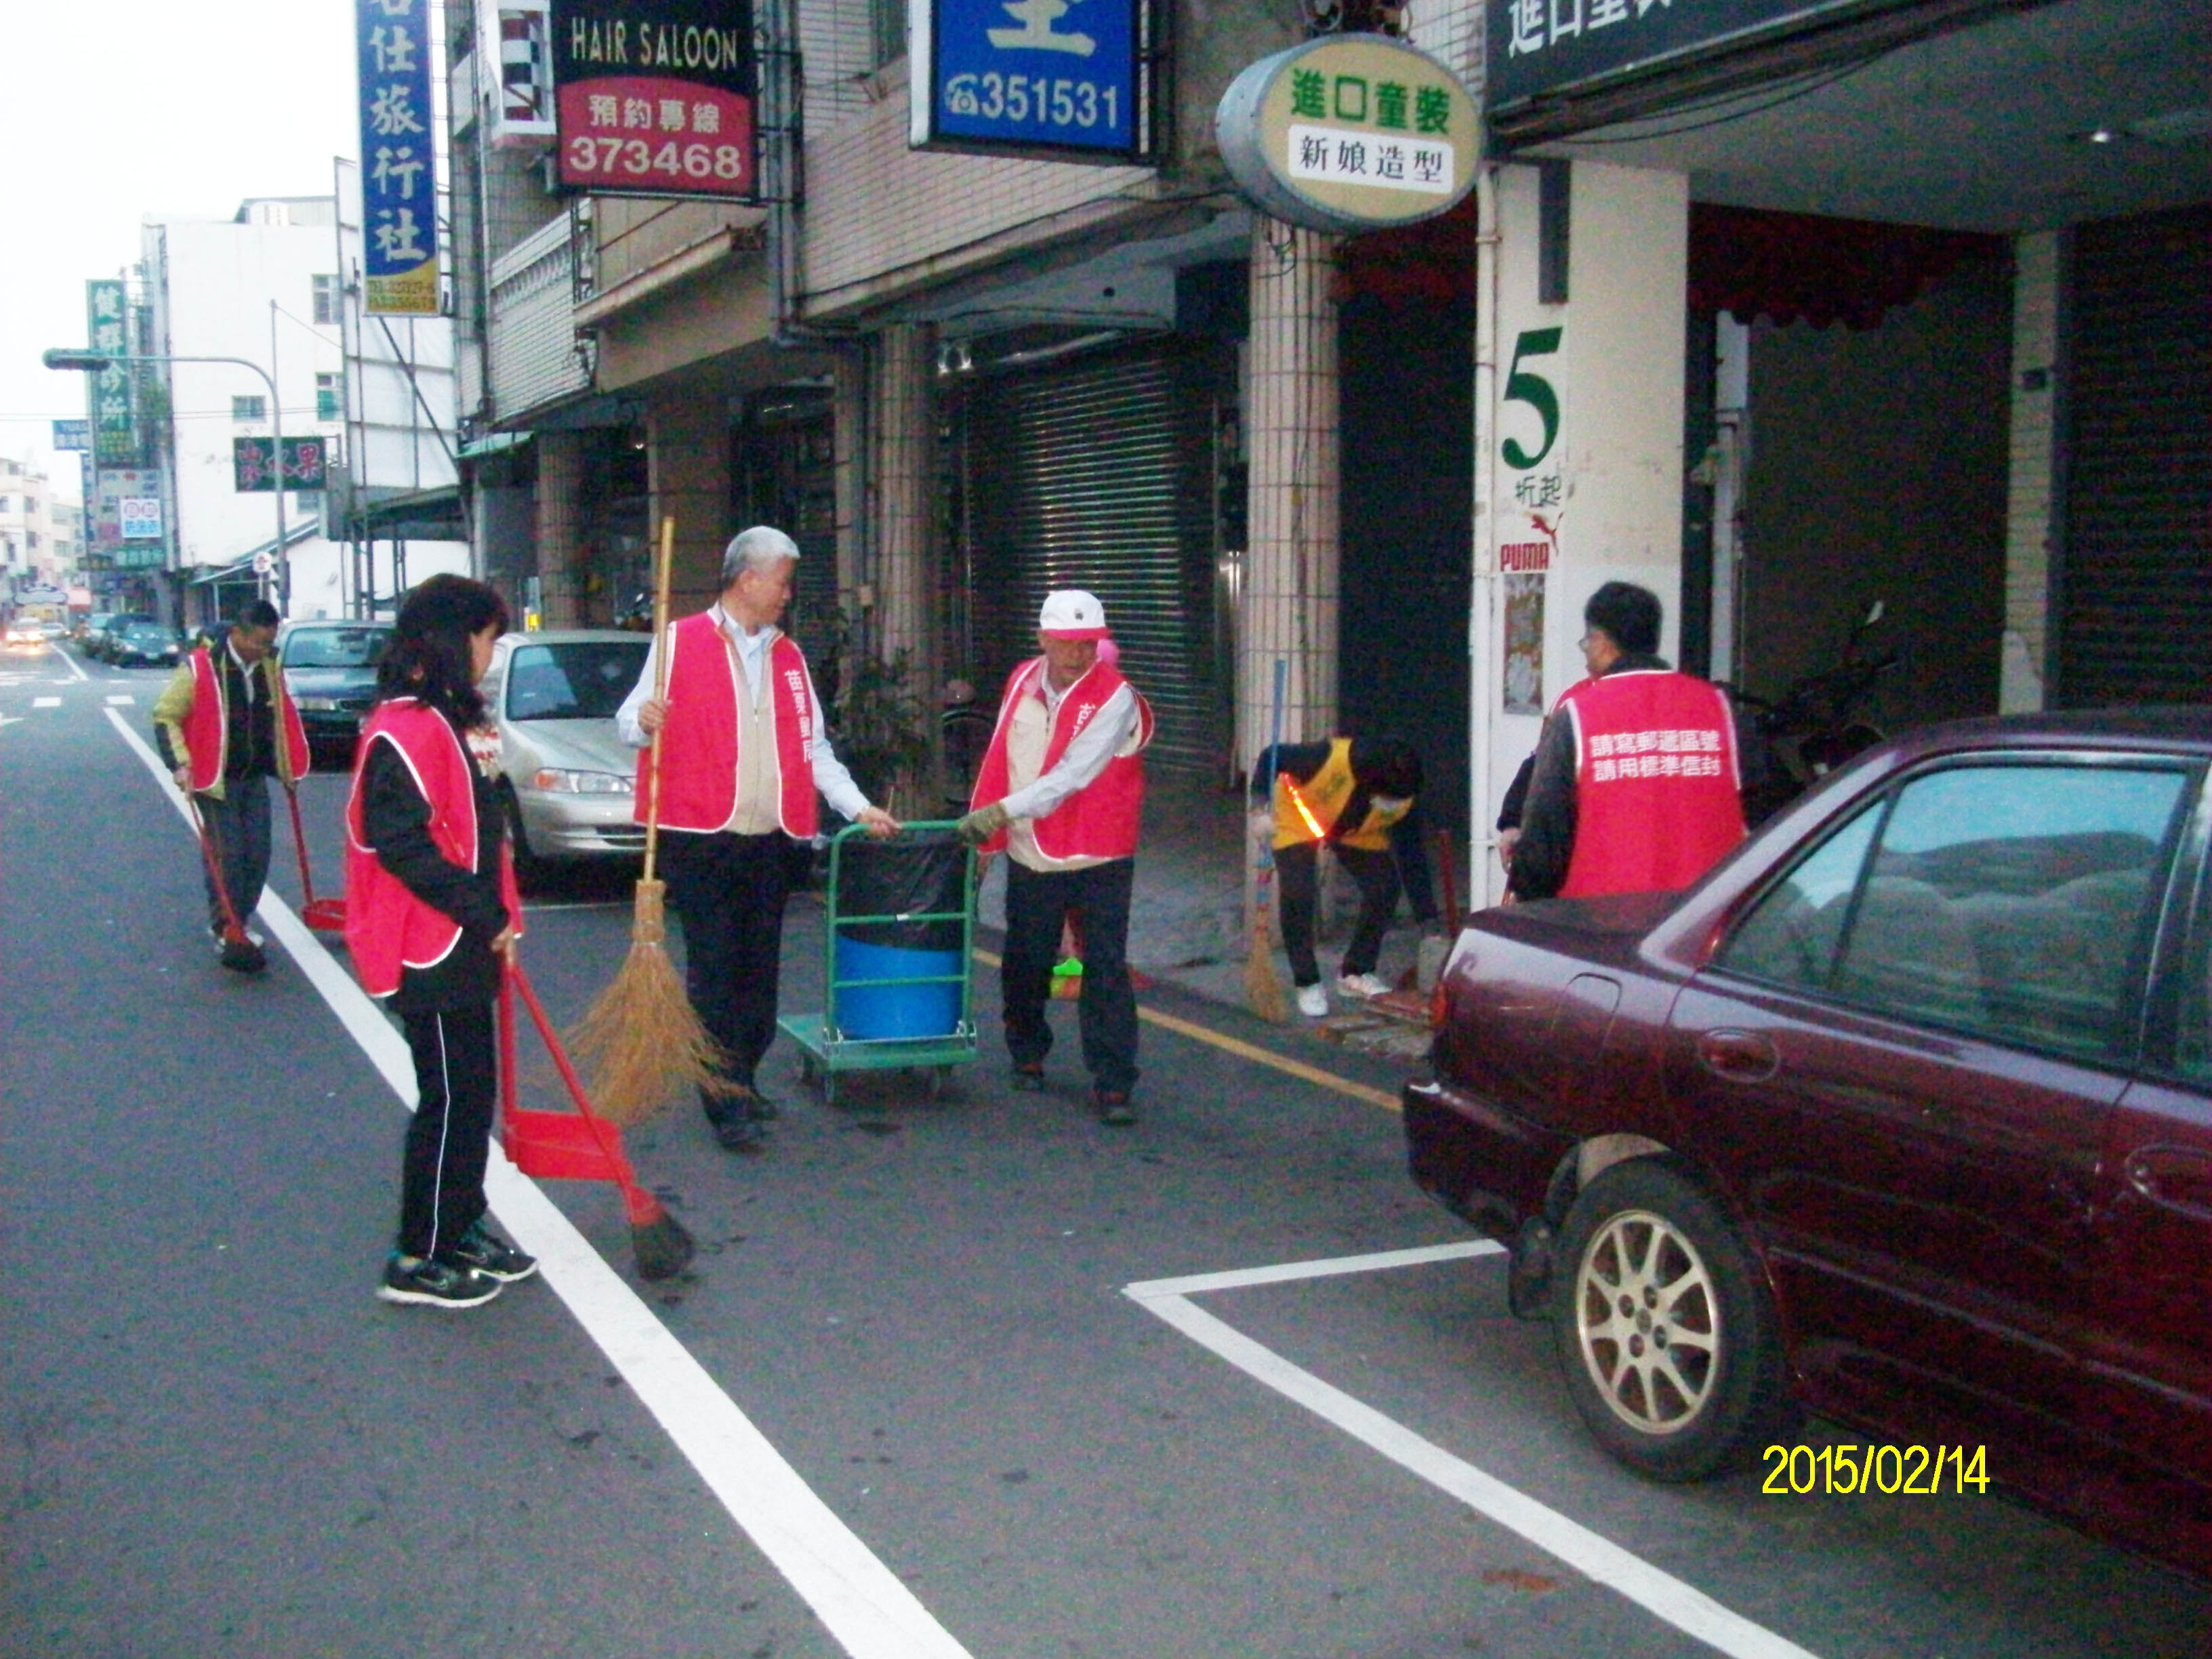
<point x="1360" y="986"/>
<point x="1313" y="1001"/>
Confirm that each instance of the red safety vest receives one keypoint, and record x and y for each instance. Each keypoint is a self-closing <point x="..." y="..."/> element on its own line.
<point x="387" y="928"/>
<point x="699" y="744"/>
<point x="207" y="727"/>
<point x="1657" y="788"/>
<point x="1098" y="821"/>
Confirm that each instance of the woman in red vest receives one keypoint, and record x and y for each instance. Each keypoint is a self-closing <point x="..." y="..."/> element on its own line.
<point x="431" y="909"/>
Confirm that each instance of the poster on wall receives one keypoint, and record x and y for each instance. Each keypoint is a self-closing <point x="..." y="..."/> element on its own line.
<point x="1068" y="80"/>
<point x="398" y="173"/>
<point x="656" y="97"/>
<point x="1523" y="565"/>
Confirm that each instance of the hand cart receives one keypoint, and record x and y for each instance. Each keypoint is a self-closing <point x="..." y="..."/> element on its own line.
<point x="898" y="938"/>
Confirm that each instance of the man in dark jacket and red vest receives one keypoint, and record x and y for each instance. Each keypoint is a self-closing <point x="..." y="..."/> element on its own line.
<point x="226" y="726"/>
<point x="1060" y="789"/>
<point x="742" y="756"/>
<point x="1636" y="785"/>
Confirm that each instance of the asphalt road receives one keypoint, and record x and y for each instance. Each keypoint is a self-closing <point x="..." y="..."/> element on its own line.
<point x="972" y="1377"/>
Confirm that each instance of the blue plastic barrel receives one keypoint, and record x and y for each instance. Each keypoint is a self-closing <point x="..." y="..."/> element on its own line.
<point x="924" y="1010"/>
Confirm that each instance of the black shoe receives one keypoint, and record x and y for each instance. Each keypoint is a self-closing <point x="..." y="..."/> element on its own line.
<point x="488" y="1253"/>
<point x="739" y="1134"/>
<point x="1028" y="1077"/>
<point x="435" y="1284"/>
<point x="1113" y="1106"/>
<point x="243" y="955"/>
<point x="752" y="1103"/>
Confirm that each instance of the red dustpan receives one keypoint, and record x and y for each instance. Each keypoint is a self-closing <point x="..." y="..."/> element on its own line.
<point x="325" y="915"/>
<point x="579" y="1145"/>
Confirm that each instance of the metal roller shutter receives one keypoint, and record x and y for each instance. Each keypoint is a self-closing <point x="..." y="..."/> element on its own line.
<point x="1098" y="474"/>
<point x="2134" y="607"/>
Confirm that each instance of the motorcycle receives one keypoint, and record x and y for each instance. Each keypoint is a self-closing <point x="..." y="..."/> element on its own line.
<point x="1790" y="744"/>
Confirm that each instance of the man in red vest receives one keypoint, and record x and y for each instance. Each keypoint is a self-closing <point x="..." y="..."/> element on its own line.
<point x="1636" y="785"/>
<point x="742" y="756"/>
<point x="1060" y="789"/>
<point x="226" y="726"/>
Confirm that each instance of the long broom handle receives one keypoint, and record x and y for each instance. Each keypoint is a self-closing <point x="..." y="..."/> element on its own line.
<point x="660" y="655"/>
<point x="234" y="930"/>
<point x="299" y="841"/>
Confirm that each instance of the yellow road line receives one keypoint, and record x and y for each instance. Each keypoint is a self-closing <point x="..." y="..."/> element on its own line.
<point x="1243" y="1050"/>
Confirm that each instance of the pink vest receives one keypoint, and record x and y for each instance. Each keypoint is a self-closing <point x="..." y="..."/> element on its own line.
<point x="1657" y="790"/>
<point x="1098" y="821"/>
<point x="207" y="727"/>
<point x="699" y="743"/>
<point x="387" y="928"/>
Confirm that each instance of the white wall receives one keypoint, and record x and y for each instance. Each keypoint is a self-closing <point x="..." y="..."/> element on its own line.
<point x="213" y="284"/>
<point x="1608" y="493"/>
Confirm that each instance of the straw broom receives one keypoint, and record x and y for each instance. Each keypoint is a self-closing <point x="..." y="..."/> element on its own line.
<point x="641" y="1040"/>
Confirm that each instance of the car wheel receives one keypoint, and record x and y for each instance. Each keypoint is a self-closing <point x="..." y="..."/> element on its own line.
<point x="1665" y="1328"/>
<point x="529" y="868"/>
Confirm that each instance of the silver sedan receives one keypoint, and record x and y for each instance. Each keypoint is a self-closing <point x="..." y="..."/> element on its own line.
<point x="566" y="776"/>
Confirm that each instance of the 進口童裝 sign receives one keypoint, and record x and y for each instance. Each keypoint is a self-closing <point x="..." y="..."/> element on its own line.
<point x="1350" y="132"/>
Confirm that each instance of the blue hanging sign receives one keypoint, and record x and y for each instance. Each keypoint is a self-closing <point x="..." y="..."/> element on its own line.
<point x="393" y="40"/>
<point x="1068" y="80"/>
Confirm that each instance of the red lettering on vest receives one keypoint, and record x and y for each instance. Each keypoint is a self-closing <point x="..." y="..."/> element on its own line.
<point x="699" y="743"/>
<point x="1098" y="821"/>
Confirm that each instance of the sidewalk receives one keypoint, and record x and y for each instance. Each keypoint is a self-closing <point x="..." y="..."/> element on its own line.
<point x="1187" y="920"/>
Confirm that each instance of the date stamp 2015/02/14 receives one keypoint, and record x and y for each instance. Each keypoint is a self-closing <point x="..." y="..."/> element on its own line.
<point x="1843" y="1470"/>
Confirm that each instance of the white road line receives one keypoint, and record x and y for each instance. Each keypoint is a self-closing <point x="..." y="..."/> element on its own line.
<point x="46" y="702"/>
<point x="862" y="1603"/>
<point x="74" y="666"/>
<point x="120" y="700"/>
<point x="1686" y="1608"/>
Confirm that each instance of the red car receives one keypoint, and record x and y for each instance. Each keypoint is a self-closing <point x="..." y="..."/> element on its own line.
<point x="1903" y="1115"/>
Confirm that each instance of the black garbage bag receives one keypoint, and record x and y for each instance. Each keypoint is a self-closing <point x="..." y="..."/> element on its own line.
<point x="915" y="873"/>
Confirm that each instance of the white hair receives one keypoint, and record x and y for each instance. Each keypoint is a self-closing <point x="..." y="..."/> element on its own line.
<point x="758" y="549"/>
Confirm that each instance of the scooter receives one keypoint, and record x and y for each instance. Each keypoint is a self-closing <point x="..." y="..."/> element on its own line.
<point x="1814" y="727"/>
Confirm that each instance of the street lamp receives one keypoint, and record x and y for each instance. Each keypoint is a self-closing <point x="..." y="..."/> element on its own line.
<point x="97" y="362"/>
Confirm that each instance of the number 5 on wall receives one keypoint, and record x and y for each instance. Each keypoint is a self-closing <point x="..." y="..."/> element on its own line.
<point x="1534" y="391"/>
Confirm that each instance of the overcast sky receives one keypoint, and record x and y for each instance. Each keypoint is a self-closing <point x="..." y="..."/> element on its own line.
<point x="113" y="109"/>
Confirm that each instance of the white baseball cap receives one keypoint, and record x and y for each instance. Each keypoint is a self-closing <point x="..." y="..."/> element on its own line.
<point x="1072" y="614"/>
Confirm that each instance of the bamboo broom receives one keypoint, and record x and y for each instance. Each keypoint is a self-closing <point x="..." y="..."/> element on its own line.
<point x="641" y="1040"/>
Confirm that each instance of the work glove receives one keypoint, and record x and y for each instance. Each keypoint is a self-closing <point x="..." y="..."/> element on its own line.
<point x="980" y="825"/>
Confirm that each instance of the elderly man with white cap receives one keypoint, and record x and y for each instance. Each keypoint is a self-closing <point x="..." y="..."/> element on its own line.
<point x="1059" y="790"/>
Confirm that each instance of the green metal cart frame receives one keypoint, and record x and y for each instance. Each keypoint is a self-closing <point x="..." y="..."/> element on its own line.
<point x="825" y="1050"/>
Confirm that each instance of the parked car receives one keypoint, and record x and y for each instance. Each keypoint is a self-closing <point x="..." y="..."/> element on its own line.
<point x="140" y="640"/>
<point x="24" y="638"/>
<point x="101" y="642"/>
<point x="566" y="776"/>
<point x="331" y="667"/>
<point x="95" y="626"/>
<point x="1902" y="1116"/>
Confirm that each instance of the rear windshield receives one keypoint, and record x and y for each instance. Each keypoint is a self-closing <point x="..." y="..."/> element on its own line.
<point x="584" y="680"/>
<point x="336" y="647"/>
